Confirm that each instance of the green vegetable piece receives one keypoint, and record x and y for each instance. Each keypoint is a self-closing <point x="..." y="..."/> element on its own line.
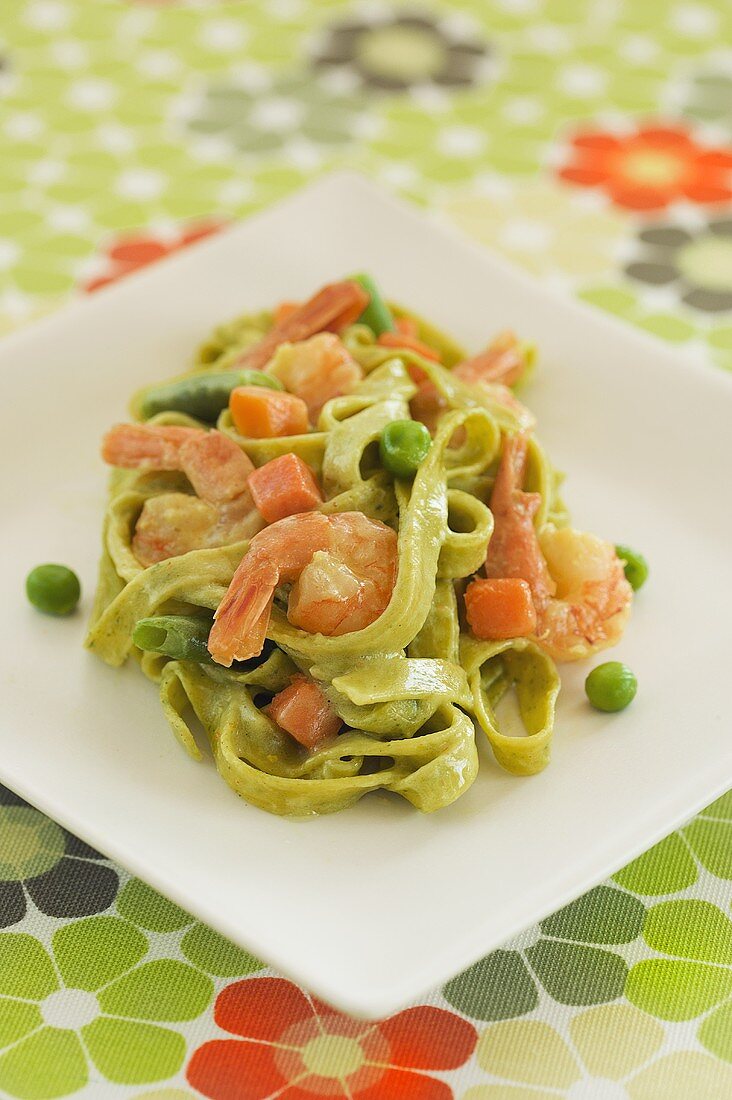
<point x="183" y="637"/>
<point x="53" y="589"/>
<point x="611" y="686"/>
<point x="377" y="314"/>
<point x="403" y="445"/>
<point x="636" y="566"/>
<point x="202" y="395"/>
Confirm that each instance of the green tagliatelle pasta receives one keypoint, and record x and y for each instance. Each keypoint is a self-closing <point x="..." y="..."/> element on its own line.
<point x="409" y="686"/>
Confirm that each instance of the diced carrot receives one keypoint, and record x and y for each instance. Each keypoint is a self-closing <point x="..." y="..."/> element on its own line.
<point x="260" y="413"/>
<point x="500" y="608"/>
<point x="285" y="310"/>
<point x="303" y="711"/>
<point x="284" y="486"/>
<point x="402" y="340"/>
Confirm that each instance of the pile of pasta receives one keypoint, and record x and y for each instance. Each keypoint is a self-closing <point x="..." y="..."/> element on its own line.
<point x="411" y="686"/>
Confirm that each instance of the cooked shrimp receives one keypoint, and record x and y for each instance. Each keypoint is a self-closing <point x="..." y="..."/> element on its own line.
<point x="174" y="523"/>
<point x="593" y="598"/>
<point x="316" y="370"/>
<point x="495" y="370"/>
<point x="342" y="569"/>
<point x="504" y="361"/>
<point x="577" y="582"/>
<point x="333" y="308"/>
<point x="513" y="550"/>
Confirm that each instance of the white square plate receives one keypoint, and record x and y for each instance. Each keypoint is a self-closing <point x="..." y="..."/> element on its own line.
<point x="370" y="907"/>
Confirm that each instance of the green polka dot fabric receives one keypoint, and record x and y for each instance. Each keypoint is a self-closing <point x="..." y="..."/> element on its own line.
<point x="590" y="142"/>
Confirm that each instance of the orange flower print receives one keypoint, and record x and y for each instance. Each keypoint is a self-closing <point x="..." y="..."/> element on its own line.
<point x="132" y="251"/>
<point x="650" y="168"/>
<point x="295" y="1048"/>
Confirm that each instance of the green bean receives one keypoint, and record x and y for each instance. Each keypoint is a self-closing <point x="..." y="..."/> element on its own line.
<point x="635" y="566"/>
<point x="377" y="314"/>
<point x="183" y="637"/>
<point x="203" y="395"/>
<point x="403" y="445"/>
<point x="611" y="686"/>
<point x="53" y="589"/>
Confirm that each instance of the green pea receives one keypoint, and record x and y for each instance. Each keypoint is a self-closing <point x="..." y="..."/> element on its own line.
<point x="611" y="686"/>
<point x="54" y="589"/>
<point x="202" y="395"/>
<point x="403" y="445"/>
<point x="377" y="314"/>
<point x="636" y="566"/>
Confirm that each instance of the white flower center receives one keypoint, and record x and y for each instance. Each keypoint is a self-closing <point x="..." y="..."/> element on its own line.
<point x="92" y="95"/>
<point x="277" y="114"/>
<point x="525" y="235"/>
<point x="69" y="1008"/>
<point x="223" y="34"/>
<point x="460" y="141"/>
<point x="140" y="183"/>
<point x="47" y="15"/>
<point x="694" y="20"/>
<point x="9" y="253"/>
<point x="582" y="80"/>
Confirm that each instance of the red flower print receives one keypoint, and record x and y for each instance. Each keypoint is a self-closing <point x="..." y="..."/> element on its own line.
<point x="650" y="168"/>
<point x="293" y="1047"/>
<point x="130" y="252"/>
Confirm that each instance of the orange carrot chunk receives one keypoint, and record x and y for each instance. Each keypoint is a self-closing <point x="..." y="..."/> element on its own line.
<point x="303" y="711"/>
<point x="260" y="413"/>
<point x="284" y="486"/>
<point x="405" y="340"/>
<point x="501" y="607"/>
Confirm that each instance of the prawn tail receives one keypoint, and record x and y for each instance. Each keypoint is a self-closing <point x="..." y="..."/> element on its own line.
<point x="147" y="446"/>
<point x="332" y="308"/>
<point x="242" y="618"/>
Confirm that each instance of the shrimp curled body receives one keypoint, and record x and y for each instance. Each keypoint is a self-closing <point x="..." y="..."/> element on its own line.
<point x="342" y="568"/>
<point x="221" y="512"/>
<point x="577" y="582"/>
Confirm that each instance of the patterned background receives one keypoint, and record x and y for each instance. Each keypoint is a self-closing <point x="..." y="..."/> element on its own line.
<point x="591" y="142"/>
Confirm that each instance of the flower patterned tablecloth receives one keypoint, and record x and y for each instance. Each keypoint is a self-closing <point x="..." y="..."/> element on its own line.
<point x="589" y="141"/>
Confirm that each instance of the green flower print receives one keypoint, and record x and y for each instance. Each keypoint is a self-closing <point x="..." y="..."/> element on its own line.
<point x="692" y="975"/>
<point x="39" y="860"/>
<point x="614" y="1052"/>
<point x="561" y="955"/>
<point x="95" y="999"/>
<point x="393" y="52"/>
<point x="621" y="301"/>
<point x="539" y="226"/>
<point x="671" y="866"/>
<point x="696" y="264"/>
<point x="202" y="946"/>
<point x="710" y="98"/>
<point x="285" y="112"/>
